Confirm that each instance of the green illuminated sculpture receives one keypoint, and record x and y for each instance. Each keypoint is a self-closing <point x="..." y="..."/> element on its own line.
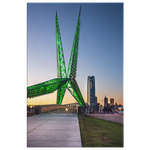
<point x="64" y="80"/>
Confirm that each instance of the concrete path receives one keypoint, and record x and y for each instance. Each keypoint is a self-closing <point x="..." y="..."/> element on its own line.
<point x="53" y="130"/>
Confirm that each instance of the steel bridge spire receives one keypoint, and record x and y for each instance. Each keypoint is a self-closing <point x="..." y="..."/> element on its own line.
<point x="64" y="80"/>
<point x="71" y="73"/>
<point x="61" y="68"/>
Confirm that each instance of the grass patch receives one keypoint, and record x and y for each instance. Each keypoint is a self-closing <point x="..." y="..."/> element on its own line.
<point x="100" y="133"/>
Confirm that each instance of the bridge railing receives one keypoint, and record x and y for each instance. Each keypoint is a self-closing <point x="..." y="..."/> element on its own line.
<point x="55" y="109"/>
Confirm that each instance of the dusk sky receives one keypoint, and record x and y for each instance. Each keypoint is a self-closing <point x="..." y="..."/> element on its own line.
<point x="100" y="51"/>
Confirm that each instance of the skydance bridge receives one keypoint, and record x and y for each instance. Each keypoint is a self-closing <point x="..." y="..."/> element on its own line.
<point x="65" y="80"/>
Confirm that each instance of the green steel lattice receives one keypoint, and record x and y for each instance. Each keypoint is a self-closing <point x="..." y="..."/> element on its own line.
<point x="63" y="81"/>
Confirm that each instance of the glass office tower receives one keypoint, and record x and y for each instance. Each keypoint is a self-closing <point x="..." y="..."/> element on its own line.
<point x="91" y="99"/>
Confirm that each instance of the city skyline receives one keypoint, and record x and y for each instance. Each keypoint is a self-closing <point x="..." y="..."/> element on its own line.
<point x="100" y="47"/>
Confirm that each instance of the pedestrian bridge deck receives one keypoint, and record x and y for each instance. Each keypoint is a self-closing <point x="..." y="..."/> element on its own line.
<point x="53" y="130"/>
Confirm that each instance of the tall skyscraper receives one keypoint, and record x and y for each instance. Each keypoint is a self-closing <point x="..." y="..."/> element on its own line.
<point x="105" y="101"/>
<point x="91" y="99"/>
<point x="111" y="101"/>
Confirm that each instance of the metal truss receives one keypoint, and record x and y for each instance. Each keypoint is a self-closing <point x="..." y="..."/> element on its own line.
<point x="75" y="91"/>
<point x="64" y="81"/>
<point x="71" y="73"/>
<point x="61" y="68"/>
<point x="45" y="87"/>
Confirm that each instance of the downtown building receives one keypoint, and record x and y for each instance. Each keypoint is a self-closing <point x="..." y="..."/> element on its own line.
<point x="106" y="104"/>
<point x="105" y="101"/>
<point x="91" y="98"/>
<point x="111" y="101"/>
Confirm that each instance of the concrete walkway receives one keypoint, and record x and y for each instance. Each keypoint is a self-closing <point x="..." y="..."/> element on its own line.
<point x="53" y="130"/>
